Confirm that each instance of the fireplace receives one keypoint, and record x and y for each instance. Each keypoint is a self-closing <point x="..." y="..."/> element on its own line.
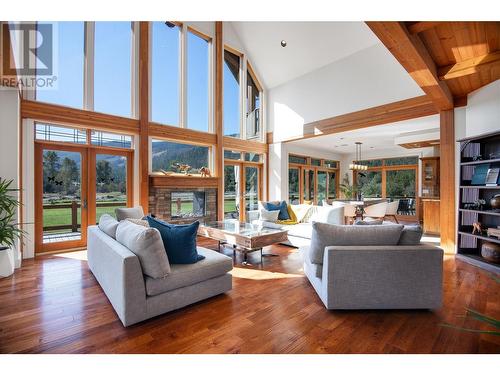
<point x="182" y="204"/>
<point x="187" y="204"/>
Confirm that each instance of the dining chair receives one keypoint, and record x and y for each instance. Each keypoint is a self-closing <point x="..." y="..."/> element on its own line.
<point x="392" y="210"/>
<point x="376" y="211"/>
<point x="349" y="213"/>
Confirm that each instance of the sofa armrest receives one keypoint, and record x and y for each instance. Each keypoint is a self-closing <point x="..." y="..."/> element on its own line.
<point x="383" y="276"/>
<point x="119" y="273"/>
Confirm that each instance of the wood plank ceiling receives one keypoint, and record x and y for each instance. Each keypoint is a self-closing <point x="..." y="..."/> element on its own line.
<point x="466" y="54"/>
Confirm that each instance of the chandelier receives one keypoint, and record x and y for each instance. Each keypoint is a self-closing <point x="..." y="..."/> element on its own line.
<point x="356" y="165"/>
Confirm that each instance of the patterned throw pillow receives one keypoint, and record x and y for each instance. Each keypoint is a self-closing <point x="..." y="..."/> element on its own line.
<point x="142" y="222"/>
<point x="271" y="216"/>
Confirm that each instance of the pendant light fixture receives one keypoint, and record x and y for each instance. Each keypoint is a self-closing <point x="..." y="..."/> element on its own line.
<point x="357" y="166"/>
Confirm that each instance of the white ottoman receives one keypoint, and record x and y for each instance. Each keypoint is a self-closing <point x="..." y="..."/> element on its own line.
<point x="6" y="262"/>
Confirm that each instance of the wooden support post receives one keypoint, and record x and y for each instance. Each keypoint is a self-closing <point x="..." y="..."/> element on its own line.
<point x="447" y="181"/>
<point x="219" y="132"/>
<point x="144" y="115"/>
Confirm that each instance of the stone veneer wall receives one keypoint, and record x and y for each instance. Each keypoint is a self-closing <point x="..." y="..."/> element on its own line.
<point x="160" y="203"/>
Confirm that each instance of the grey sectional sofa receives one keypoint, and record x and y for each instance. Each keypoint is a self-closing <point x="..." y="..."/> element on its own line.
<point x="300" y="234"/>
<point x="361" y="272"/>
<point x="135" y="296"/>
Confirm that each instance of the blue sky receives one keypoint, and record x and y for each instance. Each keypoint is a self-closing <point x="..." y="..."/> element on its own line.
<point x="112" y="75"/>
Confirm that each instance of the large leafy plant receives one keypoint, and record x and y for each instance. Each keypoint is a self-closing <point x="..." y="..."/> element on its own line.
<point x="348" y="190"/>
<point x="9" y="229"/>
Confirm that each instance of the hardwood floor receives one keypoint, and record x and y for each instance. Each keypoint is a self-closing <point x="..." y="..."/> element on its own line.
<point x="54" y="305"/>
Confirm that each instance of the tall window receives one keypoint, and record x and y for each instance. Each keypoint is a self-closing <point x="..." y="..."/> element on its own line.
<point x="231" y="94"/>
<point x="165" y="74"/>
<point x="112" y="68"/>
<point x="69" y="63"/>
<point x="198" y="54"/>
<point x="253" y="108"/>
<point x="312" y="180"/>
<point x="393" y="179"/>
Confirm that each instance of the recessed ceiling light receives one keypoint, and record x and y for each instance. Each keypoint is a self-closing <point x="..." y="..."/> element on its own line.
<point x="283" y="43"/>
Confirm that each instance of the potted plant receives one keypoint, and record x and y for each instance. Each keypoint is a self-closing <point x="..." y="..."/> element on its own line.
<point x="9" y="229"/>
<point x="348" y="190"/>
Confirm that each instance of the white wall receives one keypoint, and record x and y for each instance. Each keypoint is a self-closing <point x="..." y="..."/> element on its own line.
<point x="9" y="142"/>
<point x="278" y="166"/>
<point x="483" y="110"/>
<point x="362" y="80"/>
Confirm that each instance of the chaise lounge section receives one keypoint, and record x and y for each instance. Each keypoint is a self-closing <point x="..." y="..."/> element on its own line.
<point x="137" y="297"/>
<point x="368" y="270"/>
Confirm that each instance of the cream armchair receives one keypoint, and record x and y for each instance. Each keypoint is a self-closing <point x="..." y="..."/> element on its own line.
<point x="392" y="210"/>
<point x="376" y="211"/>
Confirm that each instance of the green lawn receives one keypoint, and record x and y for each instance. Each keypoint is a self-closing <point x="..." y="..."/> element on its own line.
<point x="62" y="216"/>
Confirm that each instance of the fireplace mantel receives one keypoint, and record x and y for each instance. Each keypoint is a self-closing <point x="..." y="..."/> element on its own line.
<point x="182" y="181"/>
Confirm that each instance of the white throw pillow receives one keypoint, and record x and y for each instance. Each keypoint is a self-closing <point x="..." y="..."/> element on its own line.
<point x="329" y="215"/>
<point x="108" y="225"/>
<point x="147" y="244"/>
<point x="265" y="215"/>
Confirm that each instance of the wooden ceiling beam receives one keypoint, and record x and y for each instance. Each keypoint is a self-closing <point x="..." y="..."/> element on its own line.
<point x="418" y="27"/>
<point x="470" y="66"/>
<point x="385" y="114"/>
<point x="412" y="54"/>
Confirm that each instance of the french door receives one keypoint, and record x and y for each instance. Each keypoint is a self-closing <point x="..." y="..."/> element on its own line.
<point x="242" y="189"/>
<point x="74" y="186"/>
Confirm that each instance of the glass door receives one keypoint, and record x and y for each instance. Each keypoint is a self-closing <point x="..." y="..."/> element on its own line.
<point x="322" y="184"/>
<point x="401" y="186"/>
<point x="251" y="193"/>
<point x="232" y="191"/>
<point x="110" y="182"/>
<point x="293" y="185"/>
<point x="60" y="197"/>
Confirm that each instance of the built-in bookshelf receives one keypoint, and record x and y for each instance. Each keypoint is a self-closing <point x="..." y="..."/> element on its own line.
<point x="477" y="156"/>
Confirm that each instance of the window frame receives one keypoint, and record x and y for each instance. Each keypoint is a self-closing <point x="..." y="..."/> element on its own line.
<point x="211" y="153"/>
<point x="184" y="29"/>
<point x="89" y="68"/>
<point x="308" y="166"/>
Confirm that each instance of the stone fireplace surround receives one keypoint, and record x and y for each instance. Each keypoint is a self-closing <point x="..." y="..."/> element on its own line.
<point x="160" y="203"/>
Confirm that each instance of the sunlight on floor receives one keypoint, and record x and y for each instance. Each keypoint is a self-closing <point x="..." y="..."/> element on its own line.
<point x="431" y="239"/>
<point x="251" y="274"/>
<point x="78" y="255"/>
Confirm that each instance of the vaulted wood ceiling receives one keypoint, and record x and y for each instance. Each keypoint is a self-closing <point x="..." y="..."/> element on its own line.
<point x="445" y="57"/>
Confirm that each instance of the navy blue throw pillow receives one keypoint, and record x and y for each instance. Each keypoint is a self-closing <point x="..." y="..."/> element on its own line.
<point x="179" y="241"/>
<point x="281" y="207"/>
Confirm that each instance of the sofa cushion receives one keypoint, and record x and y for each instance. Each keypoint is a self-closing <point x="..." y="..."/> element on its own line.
<point x="266" y="215"/>
<point x="144" y="223"/>
<point x="179" y="240"/>
<point x="329" y="214"/>
<point x="410" y="235"/>
<point x="350" y="235"/>
<point x="213" y="265"/>
<point x="280" y="206"/>
<point x="123" y="213"/>
<point x="300" y="211"/>
<point x="108" y="225"/>
<point x="147" y="245"/>
<point x="302" y="230"/>
<point x="369" y="222"/>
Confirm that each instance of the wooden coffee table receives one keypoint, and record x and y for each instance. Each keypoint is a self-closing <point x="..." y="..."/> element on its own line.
<point x="242" y="237"/>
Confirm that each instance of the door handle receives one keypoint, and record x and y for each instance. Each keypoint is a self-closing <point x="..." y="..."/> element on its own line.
<point x="84" y="204"/>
